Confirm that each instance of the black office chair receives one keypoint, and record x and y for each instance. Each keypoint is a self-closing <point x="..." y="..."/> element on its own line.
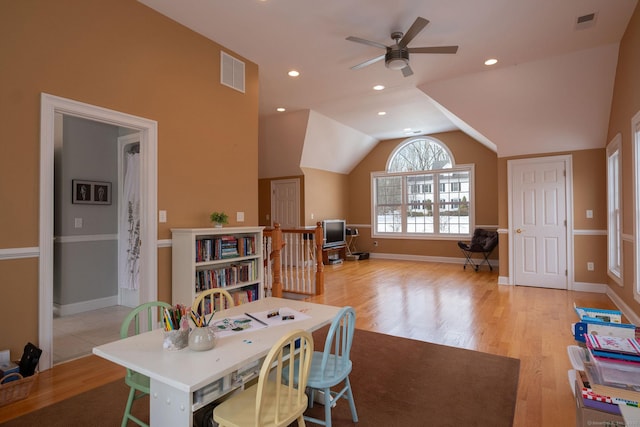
<point x="482" y="242"/>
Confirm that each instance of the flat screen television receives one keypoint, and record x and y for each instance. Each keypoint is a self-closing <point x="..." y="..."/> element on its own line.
<point x="334" y="232"/>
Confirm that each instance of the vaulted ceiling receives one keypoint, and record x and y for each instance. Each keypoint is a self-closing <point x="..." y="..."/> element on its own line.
<point x="550" y="90"/>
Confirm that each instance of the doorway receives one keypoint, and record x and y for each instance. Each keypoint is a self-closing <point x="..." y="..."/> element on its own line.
<point x="50" y="106"/>
<point x="540" y="219"/>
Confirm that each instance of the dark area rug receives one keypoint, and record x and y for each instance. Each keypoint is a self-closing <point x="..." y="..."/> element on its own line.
<point x="396" y="382"/>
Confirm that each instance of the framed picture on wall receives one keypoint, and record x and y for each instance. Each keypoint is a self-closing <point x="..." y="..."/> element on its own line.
<point x="91" y="192"/>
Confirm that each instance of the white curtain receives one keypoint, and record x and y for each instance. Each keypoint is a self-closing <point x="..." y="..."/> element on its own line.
<point x="130" y="223"/>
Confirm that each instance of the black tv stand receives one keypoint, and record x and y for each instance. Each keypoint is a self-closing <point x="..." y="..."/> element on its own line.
<point x="334" y="254"/>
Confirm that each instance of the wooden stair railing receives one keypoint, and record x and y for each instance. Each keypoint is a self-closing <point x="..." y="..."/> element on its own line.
<point x="278" y="243"/>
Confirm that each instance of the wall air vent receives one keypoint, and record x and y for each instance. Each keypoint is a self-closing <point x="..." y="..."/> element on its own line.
<point x="586" y="21"/>
<point x="231" y="72"/>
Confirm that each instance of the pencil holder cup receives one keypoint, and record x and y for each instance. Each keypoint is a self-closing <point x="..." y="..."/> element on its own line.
<point x="201" y="339"/>
<point x="175" y="340"/>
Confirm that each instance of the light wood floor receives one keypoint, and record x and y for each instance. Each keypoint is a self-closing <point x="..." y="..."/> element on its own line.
<point x="439" y="303"/>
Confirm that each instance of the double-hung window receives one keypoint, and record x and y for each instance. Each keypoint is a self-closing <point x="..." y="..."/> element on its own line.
<point x="614" y="234"/>
<point x="422" y="193"/>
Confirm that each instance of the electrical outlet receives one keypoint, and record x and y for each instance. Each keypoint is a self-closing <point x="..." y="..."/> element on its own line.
<point x="162" y="216"/>
<point x="77" y="222"/>
<point x="240" y="216"/>
<point x="590" y="266"/>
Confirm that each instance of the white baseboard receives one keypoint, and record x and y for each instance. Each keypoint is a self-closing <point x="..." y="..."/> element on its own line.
<point x="623" y="307"/>
<point x="600" y="288"/>
<point x="81" y="307"/>
<point x="424" y="258"/>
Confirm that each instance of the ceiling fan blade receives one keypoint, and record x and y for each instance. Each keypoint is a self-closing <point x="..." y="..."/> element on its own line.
<point x="407" y="71"/>
<point x="369" y="62"/>
<point x="434" y="49"/>
<point x="367" y="42"/>
<point x="417" y="26"/>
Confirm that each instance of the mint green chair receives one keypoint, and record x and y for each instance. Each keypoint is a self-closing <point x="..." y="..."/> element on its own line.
<point x="138" y="383"/>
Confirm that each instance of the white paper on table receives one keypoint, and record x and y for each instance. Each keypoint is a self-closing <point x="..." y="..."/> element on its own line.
<point x="263" y="316"/>
<point x="235" y="325"/>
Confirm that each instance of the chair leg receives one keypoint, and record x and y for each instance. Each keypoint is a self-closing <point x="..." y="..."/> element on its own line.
<point x="352" y="403"/>
<point x="127" y="409"/>
<point x="301" y="421"/>
<point x="127" y="412"/>
<point x="327" y="407"/>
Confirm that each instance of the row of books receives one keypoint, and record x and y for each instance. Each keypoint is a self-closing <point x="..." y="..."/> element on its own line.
<point x="245" y="295"/>
<point x="611" y="374"/>
<point x="224" y="247"/>
<point x="224" y="276"/>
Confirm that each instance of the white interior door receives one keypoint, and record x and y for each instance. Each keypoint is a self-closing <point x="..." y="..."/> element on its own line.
<point x="285" y="202"/>
<point x="538" y="218"/>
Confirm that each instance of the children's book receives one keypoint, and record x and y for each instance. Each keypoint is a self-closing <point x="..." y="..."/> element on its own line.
<point x="598" y="315"/>
<point x="613" y="344"/>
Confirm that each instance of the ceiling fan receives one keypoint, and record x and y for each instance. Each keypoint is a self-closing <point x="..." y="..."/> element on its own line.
<point x="397" y="56"/>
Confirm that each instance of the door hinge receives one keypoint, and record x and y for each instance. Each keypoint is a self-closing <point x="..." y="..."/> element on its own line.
<point x="566" y="272"/>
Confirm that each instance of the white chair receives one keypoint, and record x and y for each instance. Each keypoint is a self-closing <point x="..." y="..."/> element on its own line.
<point x="273" y="402"/>
<point x="332" y="366"/>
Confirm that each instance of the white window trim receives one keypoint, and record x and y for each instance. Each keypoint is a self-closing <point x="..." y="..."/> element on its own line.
<point x="425" y="236"/>
<point x="615" y="273"/>
<point x="635" y="147"/>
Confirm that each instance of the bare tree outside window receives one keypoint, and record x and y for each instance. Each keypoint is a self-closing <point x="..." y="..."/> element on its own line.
<point x="420" y="155"/>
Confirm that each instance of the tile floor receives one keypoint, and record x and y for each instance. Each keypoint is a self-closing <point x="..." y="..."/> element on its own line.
<point x="75" y="335"/>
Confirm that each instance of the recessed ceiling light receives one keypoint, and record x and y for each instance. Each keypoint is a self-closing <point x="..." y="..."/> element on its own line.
<point x="382" y="113"/>
<point x="407" y="130"/>
<point x="280" y="109"/>
<point x="293" y="73"/>
<point x="491" y="61"/>
<point x="378" y="87"/>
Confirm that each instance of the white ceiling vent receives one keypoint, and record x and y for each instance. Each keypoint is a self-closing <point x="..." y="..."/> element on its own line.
<point x="231" y="72"/>
<point x="586" y="21"/>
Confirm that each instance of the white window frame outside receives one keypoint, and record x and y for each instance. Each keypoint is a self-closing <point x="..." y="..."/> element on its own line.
<point x="614" y="224"/>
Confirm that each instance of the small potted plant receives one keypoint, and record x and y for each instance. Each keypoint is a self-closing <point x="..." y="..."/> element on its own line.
<point x="219" y="218"/>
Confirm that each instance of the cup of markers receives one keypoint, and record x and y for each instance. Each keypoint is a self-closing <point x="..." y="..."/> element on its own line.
<point x="202" y="337"/>
<point x="176" y="327"/>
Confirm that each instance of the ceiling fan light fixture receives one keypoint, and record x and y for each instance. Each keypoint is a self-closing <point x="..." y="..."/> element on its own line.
<point x="396" y="58"/>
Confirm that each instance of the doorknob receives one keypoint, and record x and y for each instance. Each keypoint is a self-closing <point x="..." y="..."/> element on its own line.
<point x="518" y="230"/>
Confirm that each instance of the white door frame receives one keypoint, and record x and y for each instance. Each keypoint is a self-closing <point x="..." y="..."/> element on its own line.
<point x="49" y="106"/>
<point x="567" y="159"/>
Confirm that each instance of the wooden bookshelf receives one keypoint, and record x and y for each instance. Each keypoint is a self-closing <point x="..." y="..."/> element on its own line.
<point x="230" y="258"/>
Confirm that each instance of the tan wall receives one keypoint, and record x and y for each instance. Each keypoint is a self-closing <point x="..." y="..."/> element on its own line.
<point x="465" y="150"/>
<point x="123" y="56"/>
<point x="625" y="104"/>
<point x="326" y="196"/>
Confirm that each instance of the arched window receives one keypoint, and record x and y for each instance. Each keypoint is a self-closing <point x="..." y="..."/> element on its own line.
<point x="423" y="192"/>
<point x="423" y="154"/>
